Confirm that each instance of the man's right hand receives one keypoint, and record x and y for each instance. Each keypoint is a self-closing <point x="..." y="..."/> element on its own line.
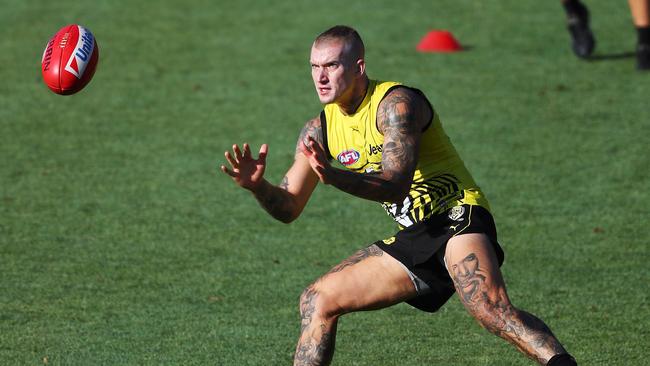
<point x="244" y="170"/>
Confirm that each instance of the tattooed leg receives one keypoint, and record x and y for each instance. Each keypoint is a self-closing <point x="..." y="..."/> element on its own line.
<point x="317" y="333"/>
<point x="367" y="280"/>
<point x="477" y="278"/>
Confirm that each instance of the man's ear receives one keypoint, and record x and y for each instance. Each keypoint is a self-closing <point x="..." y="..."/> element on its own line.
<point x="361" y="64"/>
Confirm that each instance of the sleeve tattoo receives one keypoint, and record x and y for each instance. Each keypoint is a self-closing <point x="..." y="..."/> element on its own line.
<point x="276" y="200"/>
<point x="312" y="128"/>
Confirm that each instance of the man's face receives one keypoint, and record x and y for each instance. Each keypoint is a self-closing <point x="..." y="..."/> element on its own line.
<point x="332" y="71"/>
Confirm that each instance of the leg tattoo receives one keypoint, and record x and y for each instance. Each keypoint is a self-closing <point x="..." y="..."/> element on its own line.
<point x="307" y="307"/>
<point x="492" y="308"/>
<point x="316" y="344"/>
<point x="371" y="251"/>
<point x="318" y="320"/>
<point x="312" y="352"/>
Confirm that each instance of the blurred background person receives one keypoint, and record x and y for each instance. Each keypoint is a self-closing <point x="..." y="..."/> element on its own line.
<point x="582" y="38"/>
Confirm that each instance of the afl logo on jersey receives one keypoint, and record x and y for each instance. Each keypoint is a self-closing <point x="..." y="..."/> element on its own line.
<point x="348" y="157"/>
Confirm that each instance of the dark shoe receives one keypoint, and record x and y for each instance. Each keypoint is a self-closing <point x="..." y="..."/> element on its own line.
<point x="564" y="359"/>
<point x="582" y="40"/>
<point x="643" y="57"/>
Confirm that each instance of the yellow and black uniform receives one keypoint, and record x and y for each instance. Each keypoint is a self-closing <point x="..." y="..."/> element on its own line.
<point x="443" y="200"/>
<point x="440" y="181"/>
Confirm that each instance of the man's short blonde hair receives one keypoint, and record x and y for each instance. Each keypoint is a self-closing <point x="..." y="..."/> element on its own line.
<point x="353" y="44"/>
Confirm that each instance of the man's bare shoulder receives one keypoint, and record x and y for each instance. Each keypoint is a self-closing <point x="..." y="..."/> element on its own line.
<point x="403" y="106"/>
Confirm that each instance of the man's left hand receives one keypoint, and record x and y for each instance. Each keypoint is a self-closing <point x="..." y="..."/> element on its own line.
<point x="317" y="159"/>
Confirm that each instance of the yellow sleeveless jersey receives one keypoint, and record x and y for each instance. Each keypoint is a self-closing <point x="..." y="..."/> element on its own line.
<point x="440" y="181"/>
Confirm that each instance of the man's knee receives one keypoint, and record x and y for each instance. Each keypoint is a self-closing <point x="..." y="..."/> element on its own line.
<point x="317" y="302"/>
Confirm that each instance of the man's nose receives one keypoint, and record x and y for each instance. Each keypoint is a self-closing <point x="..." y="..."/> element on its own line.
<point x="322" y="76"/>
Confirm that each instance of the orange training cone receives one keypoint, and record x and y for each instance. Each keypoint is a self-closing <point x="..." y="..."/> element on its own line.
<point x="439" y="41"/>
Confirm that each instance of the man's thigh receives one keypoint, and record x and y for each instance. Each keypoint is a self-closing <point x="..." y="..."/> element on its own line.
<point x="474" y="268"/>
<point x="369" y="279"/>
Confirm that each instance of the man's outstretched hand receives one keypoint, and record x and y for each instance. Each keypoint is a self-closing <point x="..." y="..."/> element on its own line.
<point x="317" y="158"/>
<point x="244" y="170"/>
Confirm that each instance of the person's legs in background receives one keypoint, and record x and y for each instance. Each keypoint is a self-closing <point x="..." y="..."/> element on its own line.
<point x="582" y="39"/>
<point x="640" y="10"/>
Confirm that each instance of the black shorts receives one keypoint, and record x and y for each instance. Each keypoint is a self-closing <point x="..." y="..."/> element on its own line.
<point x="421" y="249"/>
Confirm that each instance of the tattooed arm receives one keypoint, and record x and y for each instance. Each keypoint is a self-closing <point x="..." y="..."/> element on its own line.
<point x="285" y="201"/>
<point x="401" y="116"/>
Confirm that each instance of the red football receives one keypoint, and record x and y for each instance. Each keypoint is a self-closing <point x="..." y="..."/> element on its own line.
<point x="69" y="59"/>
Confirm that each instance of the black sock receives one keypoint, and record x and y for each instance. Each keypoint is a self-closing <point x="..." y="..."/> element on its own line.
<point x="563" y="359"/>
<point x="574" y="7"/>
<point x="644" y="35"/>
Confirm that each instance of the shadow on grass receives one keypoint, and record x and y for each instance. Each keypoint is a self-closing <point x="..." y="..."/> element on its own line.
<point x="612" y="56"/>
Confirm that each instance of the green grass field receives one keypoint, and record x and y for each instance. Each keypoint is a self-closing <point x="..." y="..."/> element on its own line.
<point x="122" y="244"/>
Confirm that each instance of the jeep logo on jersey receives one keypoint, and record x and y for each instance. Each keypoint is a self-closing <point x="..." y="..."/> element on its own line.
<point x="374" y="149"/>
<point x="79" y="59"/>
<point x="348" y="157"/>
